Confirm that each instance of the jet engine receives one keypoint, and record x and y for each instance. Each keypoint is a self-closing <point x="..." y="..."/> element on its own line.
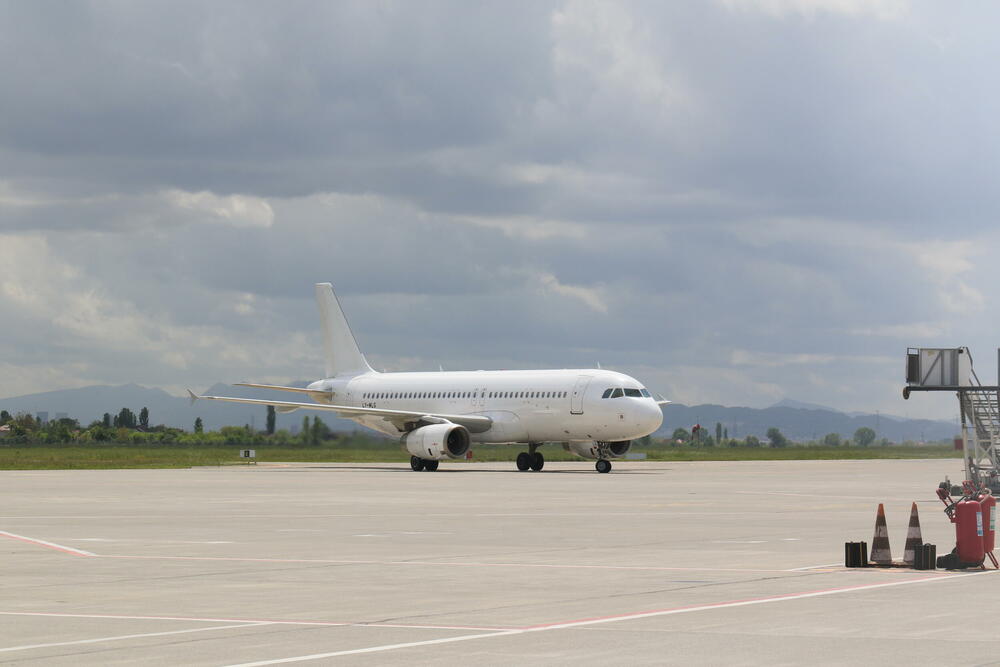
<point x="437" y="441"/>
<point x="600" y="450"/>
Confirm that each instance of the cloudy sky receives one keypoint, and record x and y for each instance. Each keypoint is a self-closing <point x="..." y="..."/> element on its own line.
<point x="736" y="201"/>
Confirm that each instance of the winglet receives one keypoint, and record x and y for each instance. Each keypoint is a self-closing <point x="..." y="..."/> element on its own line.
<point x="194" y="396"/>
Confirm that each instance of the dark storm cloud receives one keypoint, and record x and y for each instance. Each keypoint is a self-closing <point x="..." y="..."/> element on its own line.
<point x="738" y="199"/>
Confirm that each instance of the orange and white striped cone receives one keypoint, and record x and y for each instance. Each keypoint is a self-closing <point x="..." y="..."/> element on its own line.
<point x="913" y="537"/>
<point x="881" y="553"/>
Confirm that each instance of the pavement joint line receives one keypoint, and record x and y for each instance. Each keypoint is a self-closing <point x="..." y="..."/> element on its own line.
<point x="566" y="566"/>
<point x="241" y="559"/>
<point x="98" y="640"/>
<point x="257" y="621"/>
<point x="48" y="545"/>
<point x="611" y="619"/>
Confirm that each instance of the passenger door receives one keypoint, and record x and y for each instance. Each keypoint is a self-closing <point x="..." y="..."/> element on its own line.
<point x="576" y="398"/>
<point x="479" y="398"/>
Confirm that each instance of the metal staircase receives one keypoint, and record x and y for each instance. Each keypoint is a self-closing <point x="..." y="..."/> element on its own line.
<point x="979" y="405"/>
<point x="981" y="433"/>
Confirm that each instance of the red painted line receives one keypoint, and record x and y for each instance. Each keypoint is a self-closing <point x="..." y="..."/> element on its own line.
<point x="48" y="545"/>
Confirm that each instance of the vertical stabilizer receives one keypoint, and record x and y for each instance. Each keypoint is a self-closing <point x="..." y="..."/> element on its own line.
<point x="340" y="350"/>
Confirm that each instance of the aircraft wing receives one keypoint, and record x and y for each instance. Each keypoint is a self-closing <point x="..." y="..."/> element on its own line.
<point x="277" y="387"/>
<point x="401" y="419"/>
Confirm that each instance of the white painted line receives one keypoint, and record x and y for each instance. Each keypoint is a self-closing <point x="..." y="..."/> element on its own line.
<point x="611" y="619"/>
<point x="813" y="567"/>
<point x="49" y="545"/>
<point x="375" y="649"/>
<point x="254" y="621"/>
<point x="98" y="640"/>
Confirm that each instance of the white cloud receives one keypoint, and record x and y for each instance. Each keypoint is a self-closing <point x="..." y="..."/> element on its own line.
<point x="592" y="297"/>
<point x="777" y="359"/>
<point x="237" y="210"/>
<point x="880" y="9"/>
<point x="909" y="332"/>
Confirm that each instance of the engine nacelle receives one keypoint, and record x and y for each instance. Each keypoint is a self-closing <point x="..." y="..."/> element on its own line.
<point x="600" y="450"/>
<point x="437" y="441"/>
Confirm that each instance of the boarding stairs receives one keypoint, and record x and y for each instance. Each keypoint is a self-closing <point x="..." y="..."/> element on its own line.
<point x="981" y="432"/>
<point x="950" y="369"/>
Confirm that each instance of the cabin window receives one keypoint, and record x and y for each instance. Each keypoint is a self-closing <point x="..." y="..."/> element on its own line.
<point x="617" y="393"/>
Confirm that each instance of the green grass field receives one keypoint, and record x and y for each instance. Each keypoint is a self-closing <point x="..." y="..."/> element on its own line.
<point x="96" y="456"/>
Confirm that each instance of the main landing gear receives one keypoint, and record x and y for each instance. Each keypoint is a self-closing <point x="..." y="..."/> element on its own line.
<point x="603" y="466"/>
<point x="530" y="459"/>
<point x="418" y="464"/>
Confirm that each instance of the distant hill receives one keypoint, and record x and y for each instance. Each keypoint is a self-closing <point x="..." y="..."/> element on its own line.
<point x="798" y="423"/>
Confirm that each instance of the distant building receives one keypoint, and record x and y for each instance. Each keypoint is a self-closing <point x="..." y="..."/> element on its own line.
<point x="43" y="417"/>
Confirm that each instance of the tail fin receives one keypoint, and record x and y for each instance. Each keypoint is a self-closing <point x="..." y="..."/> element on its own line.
<point x="339" y="347"/>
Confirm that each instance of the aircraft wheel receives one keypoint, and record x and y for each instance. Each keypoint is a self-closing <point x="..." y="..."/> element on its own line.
<point x="430" y="465"/>
<point x="603" y="466"/>
<point x="537" y="461"/>
<point x="523" y="461"/>
<point x="416" y="463"/>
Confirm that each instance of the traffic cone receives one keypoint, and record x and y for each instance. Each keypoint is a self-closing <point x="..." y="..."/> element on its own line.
<point x="913" y="538"/>
<point x="881" y="553"/>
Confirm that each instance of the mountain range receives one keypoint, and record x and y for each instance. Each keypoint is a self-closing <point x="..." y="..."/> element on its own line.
<point x="798" y="421"/>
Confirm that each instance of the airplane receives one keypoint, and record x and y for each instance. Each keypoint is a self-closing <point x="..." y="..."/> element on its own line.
<point x="593" y="413"/>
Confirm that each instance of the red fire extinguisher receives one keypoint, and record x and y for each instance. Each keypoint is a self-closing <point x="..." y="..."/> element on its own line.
<point x="989" y="505"/>
<point x="968" y="520"/>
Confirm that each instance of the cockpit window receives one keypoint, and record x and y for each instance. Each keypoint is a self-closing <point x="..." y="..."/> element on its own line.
<point x="634" y="393"/>
<point x="607" y="393"/>
<point x="617" y="393"/>
<point x="645" y="392"/>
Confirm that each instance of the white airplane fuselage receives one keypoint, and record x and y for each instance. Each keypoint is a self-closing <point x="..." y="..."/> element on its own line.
<point x="595" y="413"/>
<point x="525" y="406"/>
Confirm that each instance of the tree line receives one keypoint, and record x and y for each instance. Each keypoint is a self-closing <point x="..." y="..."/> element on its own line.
<point x="127" y="427"/>
<point x="699" y="437"/>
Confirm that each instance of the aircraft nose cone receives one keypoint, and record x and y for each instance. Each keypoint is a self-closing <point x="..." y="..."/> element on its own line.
<point x="652" y="416"/>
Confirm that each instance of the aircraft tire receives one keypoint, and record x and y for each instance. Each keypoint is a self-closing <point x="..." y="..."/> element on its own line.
<point x="416" y="463"/>
<point x="603" y="466"/>
<point x="430" y="465"/>
<point x="523" y="461"/>
<point x="537" y="461"/>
